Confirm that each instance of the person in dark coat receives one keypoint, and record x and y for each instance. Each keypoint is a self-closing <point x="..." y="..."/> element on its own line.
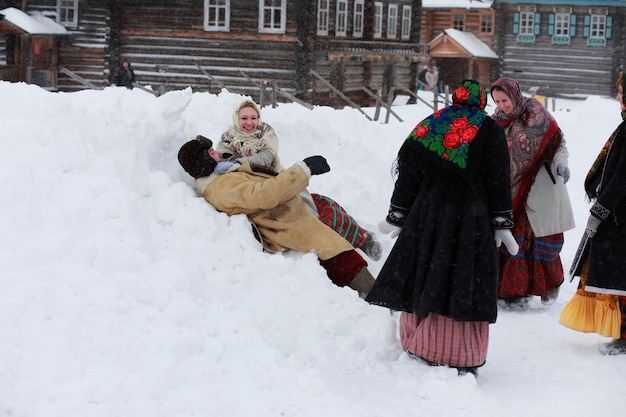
<point x="451" y="200"/>
<point x="125" y="76"/>
<point x="421" y="76"/>
<point x="599" y="305"/>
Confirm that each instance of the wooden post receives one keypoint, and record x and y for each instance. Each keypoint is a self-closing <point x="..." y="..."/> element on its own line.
<point x="377" y="112"/>
<point x="381" y="102"/>
<point x="389" y="103"/>
<point x="415" y="95"/>
<point x="274" y="94"/>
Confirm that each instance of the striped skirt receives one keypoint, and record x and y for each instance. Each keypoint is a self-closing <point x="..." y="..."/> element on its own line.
<point x="536" y="268"/>
<point x="443" y="341"/>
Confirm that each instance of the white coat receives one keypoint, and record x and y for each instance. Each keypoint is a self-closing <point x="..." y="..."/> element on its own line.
<point x="548" y="205"/>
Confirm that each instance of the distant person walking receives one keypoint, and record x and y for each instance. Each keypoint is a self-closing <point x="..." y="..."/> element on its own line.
<point x="432" y="77"/>
<point x="124" y="75"/>
<point x="422" y="78"/>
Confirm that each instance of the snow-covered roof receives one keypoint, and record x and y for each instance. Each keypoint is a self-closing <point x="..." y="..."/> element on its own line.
<point x="34" y="23"/>
<point x="469" y="42"/>
<point x="456" y="4"/>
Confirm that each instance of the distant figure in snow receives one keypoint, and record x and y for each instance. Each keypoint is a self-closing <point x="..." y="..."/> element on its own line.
<point x="422" y="78"/>
<point x="124" y="75"/>
<point x="432" y="77"/>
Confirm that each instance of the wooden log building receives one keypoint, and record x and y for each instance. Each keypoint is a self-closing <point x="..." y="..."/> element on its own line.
<point x="207" y="44"/>
<point x="460" y="36"/>
<point x="564" y="47"/>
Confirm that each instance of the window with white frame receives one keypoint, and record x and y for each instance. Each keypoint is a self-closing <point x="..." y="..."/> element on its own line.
<point x="378" y="19"/>
<point x="272" y="16"/>
<point x="405" y="31"/>
<point x="527" y="23"/>
<point x="359" y="10"/>
<point x="323" y="7"/>
<point x="597" y="28"/>
<point x="458" y="21"/>
<point x="562" y="27"/>
<point x="67" y="13"/>
<point x="341" y="23"/>
<point x="217" y="15"/>
<point x="561" y="24"/>
<point x="392" y="21"/>
<point x="486" y="23"/>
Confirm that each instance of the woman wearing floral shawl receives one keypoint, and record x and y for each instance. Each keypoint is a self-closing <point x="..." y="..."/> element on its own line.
<point x="599" y="305"/>
<point x="451" y="199"/>
<point x="541" y="206"/>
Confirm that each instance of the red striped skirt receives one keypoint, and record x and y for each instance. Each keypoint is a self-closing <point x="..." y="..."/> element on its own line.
<point x="444" y="341"/>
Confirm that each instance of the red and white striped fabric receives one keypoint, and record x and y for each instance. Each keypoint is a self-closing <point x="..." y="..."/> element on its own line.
<point x="444" y="341"/>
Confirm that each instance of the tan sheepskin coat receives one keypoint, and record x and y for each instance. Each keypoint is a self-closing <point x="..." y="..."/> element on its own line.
<point x="273" y="205"/>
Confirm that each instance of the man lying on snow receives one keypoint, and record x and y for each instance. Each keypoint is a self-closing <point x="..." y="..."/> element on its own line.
<point x="273" y="205"/>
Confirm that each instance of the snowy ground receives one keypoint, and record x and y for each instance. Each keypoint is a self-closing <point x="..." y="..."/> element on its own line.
<point x="124" y="294"/>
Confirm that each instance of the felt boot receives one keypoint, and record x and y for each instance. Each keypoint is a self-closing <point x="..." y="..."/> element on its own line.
<point x="550" y="297"/>
<point x="616" y="347"/>
<point x="362" y="282"/>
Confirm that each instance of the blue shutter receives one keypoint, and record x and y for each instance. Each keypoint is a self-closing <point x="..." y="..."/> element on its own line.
<point x="551" y="24"/>
<point x="609" y="27"/>
<point x="537" y="24"/>
<point x="586" y="23"/>
<point x="515" y="23"/>
<point x="572" y="25"/>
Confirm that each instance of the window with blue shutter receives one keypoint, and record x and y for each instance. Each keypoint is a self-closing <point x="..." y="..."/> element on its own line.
<point x="560" y="23"/>
<point x="528" y="26"/>
<point x="597" y="29"/>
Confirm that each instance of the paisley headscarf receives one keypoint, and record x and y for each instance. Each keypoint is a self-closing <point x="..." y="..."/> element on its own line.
<point x="594" y="176"/>
<point x="242" y="144"/>
<point x="450" y="131"/>
<point x="533" y="137"/>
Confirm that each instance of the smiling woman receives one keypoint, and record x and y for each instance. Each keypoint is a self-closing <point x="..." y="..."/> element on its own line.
<point x="541" y="207"/>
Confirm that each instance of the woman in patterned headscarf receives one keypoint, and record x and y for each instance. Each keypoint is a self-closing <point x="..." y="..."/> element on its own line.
<point x="451" y="198"/>
<point x="541" y="206"/>
<point x="599" y="305"/>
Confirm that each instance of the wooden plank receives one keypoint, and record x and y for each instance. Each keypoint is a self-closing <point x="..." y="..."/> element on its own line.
<point x="210" y="77"/>
<point x="78" y="78"/>
<point x="292" y="97"/>
<point x="340" y="94"/>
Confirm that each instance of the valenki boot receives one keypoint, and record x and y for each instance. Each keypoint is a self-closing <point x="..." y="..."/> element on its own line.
<point x="362" y="282"/>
